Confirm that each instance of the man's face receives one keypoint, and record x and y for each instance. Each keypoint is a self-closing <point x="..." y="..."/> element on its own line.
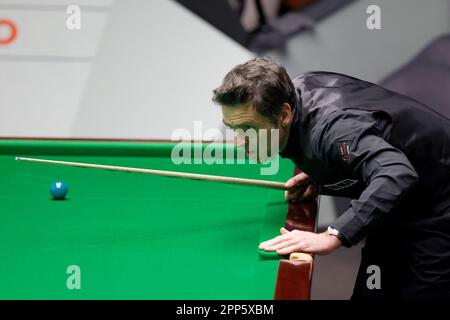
<point x="241" y="118"/>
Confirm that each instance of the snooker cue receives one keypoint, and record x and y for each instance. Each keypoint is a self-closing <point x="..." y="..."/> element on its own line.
<point x="195" y="176"/>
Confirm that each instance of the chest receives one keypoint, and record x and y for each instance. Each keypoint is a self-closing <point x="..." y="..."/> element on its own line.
<point x="332" y="181"/>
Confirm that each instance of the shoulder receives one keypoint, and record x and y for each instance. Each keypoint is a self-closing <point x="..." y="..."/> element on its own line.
<point x="313" y="79"/>
<point x="338" y="132"/>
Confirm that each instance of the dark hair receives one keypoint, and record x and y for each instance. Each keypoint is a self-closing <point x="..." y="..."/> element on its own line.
<point x="261" y="82"/>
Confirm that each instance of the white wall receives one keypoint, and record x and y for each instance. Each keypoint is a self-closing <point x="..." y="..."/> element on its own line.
<point x="154" y="73"/>
<point x="136" y="69"/>
<point x="43" y="73"/>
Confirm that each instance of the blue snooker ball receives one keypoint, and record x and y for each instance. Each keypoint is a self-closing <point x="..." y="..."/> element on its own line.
<point x="58" y="190"/>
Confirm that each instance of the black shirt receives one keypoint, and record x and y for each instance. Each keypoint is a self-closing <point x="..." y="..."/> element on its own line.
<point x="388" y="152"/>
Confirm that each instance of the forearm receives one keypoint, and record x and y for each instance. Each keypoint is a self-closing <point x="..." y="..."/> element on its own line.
<point x="386" y="189"/>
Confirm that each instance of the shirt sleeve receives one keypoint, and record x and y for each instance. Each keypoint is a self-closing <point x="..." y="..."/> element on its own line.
<point x="353" y="145"/>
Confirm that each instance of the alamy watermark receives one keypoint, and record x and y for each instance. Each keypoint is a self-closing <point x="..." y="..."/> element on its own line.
<point x="73" y="281"/>
<point x="73" y="21"/>
<point x="253" y="147"/>
<point x="373" y="21"/>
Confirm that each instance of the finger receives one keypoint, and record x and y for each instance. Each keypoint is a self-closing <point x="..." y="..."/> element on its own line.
<point x="284" y="230"/>
<point x="297" y="190"/>
<point x="274" y="241"/>
<point x="296" y="180"/>
<point x="294" y="195"/>
<point x="293" y="183"/>
<point x="270" y="242"/>
<point x="297" y="247"/>
<point x="281" y="245"/>
<point x="309" y="192"/>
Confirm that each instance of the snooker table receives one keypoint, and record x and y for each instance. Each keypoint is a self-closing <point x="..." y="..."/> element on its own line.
<point x="138" y="236"/>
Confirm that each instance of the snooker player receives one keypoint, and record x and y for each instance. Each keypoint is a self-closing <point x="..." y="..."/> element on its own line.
<point x="387" y="152"/>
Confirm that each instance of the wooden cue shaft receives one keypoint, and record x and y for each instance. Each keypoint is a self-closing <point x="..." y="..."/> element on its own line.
<point x="195" y="176"/>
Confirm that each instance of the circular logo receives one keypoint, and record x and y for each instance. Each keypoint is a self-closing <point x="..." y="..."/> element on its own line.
<point x="11" y="31"/>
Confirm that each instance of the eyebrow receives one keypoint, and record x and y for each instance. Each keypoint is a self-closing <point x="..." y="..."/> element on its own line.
<point x="245" y="124"/>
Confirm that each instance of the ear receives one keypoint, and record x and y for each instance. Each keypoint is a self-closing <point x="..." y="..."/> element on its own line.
<point x="286" y="114"/>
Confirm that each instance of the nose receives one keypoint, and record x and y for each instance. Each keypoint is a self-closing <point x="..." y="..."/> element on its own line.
<point x="239" y="141"/>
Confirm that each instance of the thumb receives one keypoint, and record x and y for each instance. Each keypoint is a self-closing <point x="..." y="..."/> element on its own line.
<point x="284" y="230"/>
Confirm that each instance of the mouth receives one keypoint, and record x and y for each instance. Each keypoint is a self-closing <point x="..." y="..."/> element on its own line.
<point x="251" y="155"/>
